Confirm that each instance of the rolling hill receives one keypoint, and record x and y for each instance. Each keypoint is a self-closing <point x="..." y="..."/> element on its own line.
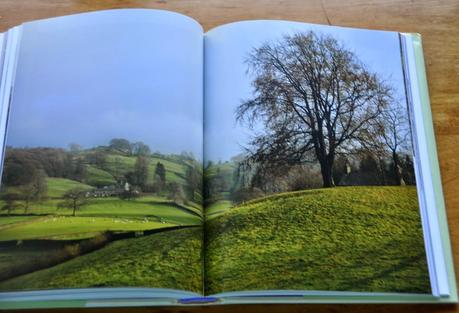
<point x="171" y="259"/>
<point x="175" y="171"/>
<point x="341" y="239"/>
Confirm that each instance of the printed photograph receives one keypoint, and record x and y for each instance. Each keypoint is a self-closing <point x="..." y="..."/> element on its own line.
<point x="102" y="173"/>
<point x="315" y="187"/>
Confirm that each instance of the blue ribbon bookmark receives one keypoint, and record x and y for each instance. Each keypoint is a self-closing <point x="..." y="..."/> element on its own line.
<point x="198" y="300"/>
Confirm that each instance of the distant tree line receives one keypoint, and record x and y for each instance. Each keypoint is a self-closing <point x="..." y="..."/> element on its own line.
<point x="233" y="180"/>
<point x="129" y="148"/>
<point x="21" y="165"/>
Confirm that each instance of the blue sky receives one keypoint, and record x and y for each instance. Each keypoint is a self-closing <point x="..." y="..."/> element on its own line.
<point x="227" y="82"/>
<point x="135" y="74"/>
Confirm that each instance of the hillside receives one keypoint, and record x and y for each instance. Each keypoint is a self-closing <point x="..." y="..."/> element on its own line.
<point x="166" y="260"/>
<point x="349" y="238"/>
<point x="98" y="177"/>
<point x="110" y="167"/>
<point x="175" y="170"/>
<point x="60" y="207"/>
<point x="57" y="187"/>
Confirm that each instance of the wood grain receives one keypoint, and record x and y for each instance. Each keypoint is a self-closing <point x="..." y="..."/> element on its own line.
<point x="438" y="23"/>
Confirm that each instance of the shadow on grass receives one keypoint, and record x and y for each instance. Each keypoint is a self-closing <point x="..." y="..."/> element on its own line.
<point x="63" y="250"/>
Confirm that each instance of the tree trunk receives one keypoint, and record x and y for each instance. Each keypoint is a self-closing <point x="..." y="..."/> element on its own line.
<point x="326" y="169"/>
<point x="397" y="170"/>
<point x="381" y="171"/>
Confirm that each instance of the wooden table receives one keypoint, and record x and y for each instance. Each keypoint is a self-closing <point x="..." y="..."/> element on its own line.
<point x="437" y="21"/>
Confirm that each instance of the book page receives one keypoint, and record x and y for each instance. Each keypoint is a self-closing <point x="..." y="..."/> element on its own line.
<point x="101" y="183"/>
<point x="309" y="163"/>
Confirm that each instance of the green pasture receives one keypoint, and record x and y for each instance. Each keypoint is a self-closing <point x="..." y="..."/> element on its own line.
<point x="342" y="239"/>
<point x="153" y="207"/>
<point x="98" y="214"/>
<point x="71" y="227"/>
<point x="139" y="208"/>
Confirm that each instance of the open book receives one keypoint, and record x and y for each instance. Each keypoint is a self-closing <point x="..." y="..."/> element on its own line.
<point x="146" y="162"/>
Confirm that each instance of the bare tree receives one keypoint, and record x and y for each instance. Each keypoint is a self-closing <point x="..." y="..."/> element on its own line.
<point x="10" y="202"/>
<point x="314" y="98"/>
<point x="34" y="191"/>
<point x="395" y="135"/>
<point x="74" y="199"/>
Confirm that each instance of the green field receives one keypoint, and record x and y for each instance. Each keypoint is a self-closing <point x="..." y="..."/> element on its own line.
<point x="142" y="207"/>
<point x="345" y="238"/>
<point x="75" y="227"/>
<point x="46" y="221"/>
<point x="156" y="208"/>
<point x="171" y="259"/>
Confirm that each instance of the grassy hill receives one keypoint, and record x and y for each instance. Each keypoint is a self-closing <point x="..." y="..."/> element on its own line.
<point x="57" y="187"/>
<point x="98" y="177"/>
<point x="349" y="238"/>
<point x="175" y="171"/>
<point x="166" y="260"/>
